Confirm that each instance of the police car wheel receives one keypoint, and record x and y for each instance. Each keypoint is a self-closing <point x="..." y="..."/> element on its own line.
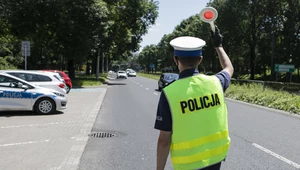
<point x="44" y="106"/>
<point x="67" y="89"/>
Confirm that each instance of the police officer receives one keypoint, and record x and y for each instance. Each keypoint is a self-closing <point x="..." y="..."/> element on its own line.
<point x="192" y="113"/>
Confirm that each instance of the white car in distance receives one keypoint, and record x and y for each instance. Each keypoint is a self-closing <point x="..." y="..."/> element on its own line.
<point x="131" y="73"/>
<point x="121" y="74"/>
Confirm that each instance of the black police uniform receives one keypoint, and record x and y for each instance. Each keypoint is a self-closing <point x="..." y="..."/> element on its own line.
<point x="163" y="117"/>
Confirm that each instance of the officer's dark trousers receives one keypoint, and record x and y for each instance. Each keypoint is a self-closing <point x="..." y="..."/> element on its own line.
<point x="213" y="167"/>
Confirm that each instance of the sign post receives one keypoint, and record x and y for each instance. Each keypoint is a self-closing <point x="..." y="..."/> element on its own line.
<point x="25" y="51"/>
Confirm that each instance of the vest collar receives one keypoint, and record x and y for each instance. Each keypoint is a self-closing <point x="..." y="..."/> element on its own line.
<point x="188" y="73"/>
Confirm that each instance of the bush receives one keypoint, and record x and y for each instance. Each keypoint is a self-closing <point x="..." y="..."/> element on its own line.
<point x="273" y="99"/>
<point x="4" y="65"/>
<point x="88" y="80"/>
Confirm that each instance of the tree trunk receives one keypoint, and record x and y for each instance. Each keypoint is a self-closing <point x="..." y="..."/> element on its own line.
<point x="102" y="63"/>
<point x="237" y="67"/>
<point x="87" y="70"/>
<point x="252" y="62"/>
<point x="98" y="65"/>
<point x="299" y="74"/>
<point x="94" y="66"/>
<point x="107" y="63"/>
<point x="71" y="69"/>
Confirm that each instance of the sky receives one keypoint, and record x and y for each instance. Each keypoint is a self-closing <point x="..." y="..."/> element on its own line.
<point x="171" y="13"/>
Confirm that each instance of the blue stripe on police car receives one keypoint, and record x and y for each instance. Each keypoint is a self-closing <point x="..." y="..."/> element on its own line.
<point x="19" y="95"/>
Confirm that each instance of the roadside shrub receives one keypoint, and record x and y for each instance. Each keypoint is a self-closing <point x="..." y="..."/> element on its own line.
<point x="270" y="98"/>
<point x="4" y="65"/>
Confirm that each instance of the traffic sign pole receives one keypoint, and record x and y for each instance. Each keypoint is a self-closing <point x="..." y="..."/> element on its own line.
<point x="25" y="57"/>
<point x="25" y="46"/>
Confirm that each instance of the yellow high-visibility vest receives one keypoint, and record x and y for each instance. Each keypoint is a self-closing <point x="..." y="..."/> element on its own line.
<point x="200" y="126"/>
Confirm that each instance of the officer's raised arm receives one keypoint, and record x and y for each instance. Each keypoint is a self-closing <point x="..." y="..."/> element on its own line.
<point x="223" y="57"/>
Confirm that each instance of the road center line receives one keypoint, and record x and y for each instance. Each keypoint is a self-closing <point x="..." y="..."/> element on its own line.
<point x="24" y="143"/>
<point x="141" y="85"/>
<point x="147" y="89"/>
<point x="155" y="93"/>
<point x="277" y="156"/>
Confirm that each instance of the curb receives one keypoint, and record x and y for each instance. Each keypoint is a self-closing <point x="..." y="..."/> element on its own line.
<point x="73" y="158"/>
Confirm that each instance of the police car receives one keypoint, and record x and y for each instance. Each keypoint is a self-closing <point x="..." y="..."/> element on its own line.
<point x="19" y="95"/>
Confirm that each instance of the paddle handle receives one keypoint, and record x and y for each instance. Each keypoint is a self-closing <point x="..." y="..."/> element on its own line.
<point x="212" y="25"/>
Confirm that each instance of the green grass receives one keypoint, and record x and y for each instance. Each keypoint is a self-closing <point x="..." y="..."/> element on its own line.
<point x="83" y="80"/>
<point x="154" y="76"/>
<point x="255" y="94"/>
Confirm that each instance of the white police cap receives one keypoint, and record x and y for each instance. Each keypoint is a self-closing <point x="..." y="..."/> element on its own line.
<point x="187" y="46"/>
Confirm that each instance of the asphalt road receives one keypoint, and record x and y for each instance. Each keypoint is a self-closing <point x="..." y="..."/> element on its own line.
<point x="262" y="139"/>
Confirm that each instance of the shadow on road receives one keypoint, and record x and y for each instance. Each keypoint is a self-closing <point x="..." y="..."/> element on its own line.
<point x="116" y="82"/>
<point x="157" y="90"/>
<point x="25" y="113"/>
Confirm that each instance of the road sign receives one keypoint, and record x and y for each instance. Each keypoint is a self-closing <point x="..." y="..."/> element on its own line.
<point x="284" y="68"/>
<point x="151" y="65"/>
<point x="25" y="48"/>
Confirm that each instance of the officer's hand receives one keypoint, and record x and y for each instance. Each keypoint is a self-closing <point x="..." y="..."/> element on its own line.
<point x="216" y="37"/>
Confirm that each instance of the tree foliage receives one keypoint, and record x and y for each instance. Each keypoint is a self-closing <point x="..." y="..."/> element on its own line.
<point x="257" y="35"/>
<point x="74" y="32"/>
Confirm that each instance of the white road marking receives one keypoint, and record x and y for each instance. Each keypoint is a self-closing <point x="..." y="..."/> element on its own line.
<point x="141" y="85"/>
<point x="147" y="89"/>
<point x="137" y="83"/>
<point x="33" y="125"/>
<point x="155" y="93"/>
<point x="277" y="156"/>
<point x="24" y="143"/>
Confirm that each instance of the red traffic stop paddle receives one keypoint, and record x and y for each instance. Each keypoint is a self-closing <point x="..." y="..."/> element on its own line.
<point x="209" y="15"/>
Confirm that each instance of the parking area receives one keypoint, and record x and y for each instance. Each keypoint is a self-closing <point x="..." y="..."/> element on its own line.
<point x="49" y="142"/>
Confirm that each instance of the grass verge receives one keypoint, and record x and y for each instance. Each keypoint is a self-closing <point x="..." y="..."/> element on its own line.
<point x="90" y="80"/>
<point x="154" y="76"/>
<point x="255" y="94"/>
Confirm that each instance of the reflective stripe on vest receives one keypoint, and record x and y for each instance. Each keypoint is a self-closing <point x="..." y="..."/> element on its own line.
<point x="199" y="118"/>
<point x="200" y="141"/>
<point x="200" y="156"/>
